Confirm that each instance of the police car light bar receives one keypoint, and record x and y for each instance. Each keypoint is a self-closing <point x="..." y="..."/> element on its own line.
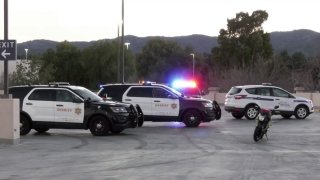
<point x="148" y="82"/>
<point x="184" y="84"/>
<point x="59" y="83"/>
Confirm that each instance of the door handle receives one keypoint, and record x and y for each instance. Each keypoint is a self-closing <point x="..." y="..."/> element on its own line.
<point x="28" y="103"/>
<point x="59" y="105"/>
<point x="127" y="99"/>
<point x="277" y="99"/>
<point x="156" y="101"/>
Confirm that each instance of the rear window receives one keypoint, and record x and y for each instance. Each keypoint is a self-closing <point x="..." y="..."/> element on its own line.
<point x="234" y="90"/>
<point x="140" y="92"/>
<point x="114" y="92"/>
<point x="43" y="95"/>
<point x="252" y="90"/>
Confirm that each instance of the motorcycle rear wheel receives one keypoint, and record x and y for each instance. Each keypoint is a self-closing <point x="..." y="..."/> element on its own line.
<point x="258" y="133"/>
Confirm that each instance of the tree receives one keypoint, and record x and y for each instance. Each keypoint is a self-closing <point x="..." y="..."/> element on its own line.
<point x="244" y="41"/>
<point x="161" y="59"/>
<point x="298" y="60"/>
<point x="62" y="64"/>
<point x="100" y="63"/>
<point x="26" y="73"/>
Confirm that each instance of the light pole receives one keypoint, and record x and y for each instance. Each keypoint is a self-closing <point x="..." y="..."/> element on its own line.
<point x="122" y="42"/>
<point x="26" y="53"/>
<point x="127" y="46"/>
<point x="192" y="54"/>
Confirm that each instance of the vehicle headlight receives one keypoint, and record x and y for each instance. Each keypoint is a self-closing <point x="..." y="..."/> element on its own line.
<point x="261" y="118"/>
<point x="119" y="109"/>
<point x="207" y="104"/>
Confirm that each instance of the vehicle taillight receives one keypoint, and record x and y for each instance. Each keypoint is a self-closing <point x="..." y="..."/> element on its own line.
<point x="239" y="96"/>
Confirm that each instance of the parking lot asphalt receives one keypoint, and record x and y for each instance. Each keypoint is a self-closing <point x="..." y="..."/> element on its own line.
<point x="222" y="150"/>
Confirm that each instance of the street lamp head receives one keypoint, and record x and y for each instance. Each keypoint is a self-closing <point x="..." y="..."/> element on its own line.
<point x="26" y="53"/>
<point x="192" y="54"/>
<point x="127" y="45"/>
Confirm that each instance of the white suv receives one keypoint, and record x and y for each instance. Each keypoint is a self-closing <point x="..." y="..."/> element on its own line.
<point x="240" y="101"/>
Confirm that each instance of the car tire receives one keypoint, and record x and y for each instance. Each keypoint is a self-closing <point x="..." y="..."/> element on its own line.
<point x="140" y="116"/>
<point x="99" y="126"/>
<point x="251" y="112"/>
<point x="301" y="112"/>
<point x="237" y="115"/>
<point x="286" y="116"/>
<point x="217" y="110"/>
<point x="25" y="125"/>
<point x="258" y="134"/>
<point x="41" y="130"/>
<point x="191" y="118"/>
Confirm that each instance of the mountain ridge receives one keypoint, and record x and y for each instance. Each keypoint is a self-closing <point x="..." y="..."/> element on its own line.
<point x="302" y="40"/>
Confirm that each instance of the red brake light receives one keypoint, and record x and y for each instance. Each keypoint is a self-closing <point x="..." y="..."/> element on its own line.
<point x="239" y="96"/>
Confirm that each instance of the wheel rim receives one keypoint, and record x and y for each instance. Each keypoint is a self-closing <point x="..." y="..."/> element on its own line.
<point x="252" y="112"/>
<point x="192" y="118"/>
<point x="301" y="112"/>
<point x="99" y="126"/>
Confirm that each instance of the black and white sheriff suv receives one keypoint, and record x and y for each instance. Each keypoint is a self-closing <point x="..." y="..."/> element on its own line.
<point x="161" y="103"/>
<point x="60" y="105"/>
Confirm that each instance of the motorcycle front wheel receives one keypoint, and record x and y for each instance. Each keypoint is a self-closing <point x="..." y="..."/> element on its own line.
<point x="258" y="133"/>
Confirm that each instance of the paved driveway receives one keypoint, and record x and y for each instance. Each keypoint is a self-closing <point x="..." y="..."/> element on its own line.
<point x="222" y="150"/>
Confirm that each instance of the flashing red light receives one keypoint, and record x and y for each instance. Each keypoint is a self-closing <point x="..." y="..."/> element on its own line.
<point x="184" y="84"/>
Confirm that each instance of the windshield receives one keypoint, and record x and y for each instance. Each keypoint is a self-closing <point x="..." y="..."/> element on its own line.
<point x="173" y="91"/>
<point x="86" y="94"/>
<point x="190" y="91"/>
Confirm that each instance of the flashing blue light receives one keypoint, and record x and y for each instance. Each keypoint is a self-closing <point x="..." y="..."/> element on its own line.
<point x="183" y="84"/>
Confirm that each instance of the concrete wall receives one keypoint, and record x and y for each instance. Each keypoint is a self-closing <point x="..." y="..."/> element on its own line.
<point x="9" y="120"/>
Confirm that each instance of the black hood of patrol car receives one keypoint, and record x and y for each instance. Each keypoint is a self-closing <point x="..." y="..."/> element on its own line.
<point x="110" y="103"/>
<point x="186" y="98"/>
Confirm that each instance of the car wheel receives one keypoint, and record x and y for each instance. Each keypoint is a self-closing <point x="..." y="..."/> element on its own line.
<point x="286" y="116"/>
<point x="191" y="118"/>
<point x="217" y="110"/>
<point x="251" y="112"/>
<point x="301" y="112"/>
<point x="237" y="115"/>
<point x="41" y="130"/>
<point x="258" y="133"/>
<point x="25" y="125"/>
<point x="99" y="126"/>
<point x="140" y="116"/>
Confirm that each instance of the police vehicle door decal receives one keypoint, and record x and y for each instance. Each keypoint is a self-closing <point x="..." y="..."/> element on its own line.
<point x="283" y="98"/>
<point x="164" y="103"/>
<point x="66" y="109"/>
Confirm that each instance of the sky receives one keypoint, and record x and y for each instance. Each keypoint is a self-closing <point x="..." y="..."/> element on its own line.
<point x="88" y="20"/>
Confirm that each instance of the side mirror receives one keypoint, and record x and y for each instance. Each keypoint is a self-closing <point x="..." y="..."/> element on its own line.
<point x="276" y="107"/>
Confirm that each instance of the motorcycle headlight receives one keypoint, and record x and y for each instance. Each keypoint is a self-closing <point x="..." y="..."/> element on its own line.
<point x="261" y="118"/>
<point x="207" y="104"/>
<point x="119" y="109"/>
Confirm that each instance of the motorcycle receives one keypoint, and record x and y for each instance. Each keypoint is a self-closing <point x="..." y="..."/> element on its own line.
<point x="263" y="122"/>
